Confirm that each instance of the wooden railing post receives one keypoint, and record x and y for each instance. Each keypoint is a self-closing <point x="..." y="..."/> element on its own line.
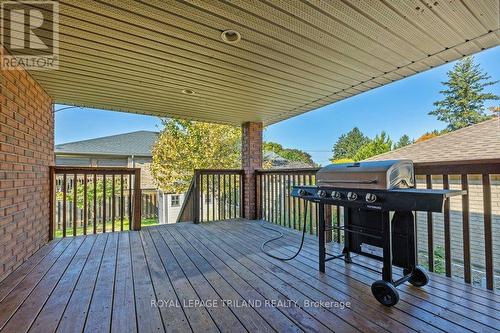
<point x="137" y="200"/>
<point x="328" y="223"/>
<point x="196" y="198"/>
<point x="258" y="196"/>
<point x="52" y="200"/>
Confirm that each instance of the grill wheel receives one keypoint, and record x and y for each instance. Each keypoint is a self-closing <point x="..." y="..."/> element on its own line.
<point x="419" y="276"/>
<point x="385" y="293"/>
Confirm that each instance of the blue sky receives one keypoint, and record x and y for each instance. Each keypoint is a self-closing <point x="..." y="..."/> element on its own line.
<point x="398" y="108"/>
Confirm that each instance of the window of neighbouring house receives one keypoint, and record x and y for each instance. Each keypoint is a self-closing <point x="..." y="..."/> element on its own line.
<point x="175" y="201"/>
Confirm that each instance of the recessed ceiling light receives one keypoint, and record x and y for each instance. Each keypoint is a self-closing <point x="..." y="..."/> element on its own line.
<point x="188" y="91"/>
<point x="230" y="36"/>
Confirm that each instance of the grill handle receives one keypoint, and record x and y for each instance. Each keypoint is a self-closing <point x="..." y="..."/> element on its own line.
<point x="373" y="181"/>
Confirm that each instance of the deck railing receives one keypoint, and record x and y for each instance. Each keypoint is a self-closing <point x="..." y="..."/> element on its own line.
<point x="109" y="198"/>
<point x="475" y="214"/>
<point x="458" y="242"/>
<point x="213" y="195"/>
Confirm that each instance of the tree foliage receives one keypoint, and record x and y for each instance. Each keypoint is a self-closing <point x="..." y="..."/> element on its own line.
<point x="464" y="95"/>
<point x="379" y="145"/>
<point x="289" y="153"/>
<point x="348" y="145"/>
<point x="184" y="146"/>
<point x="90" y="191"/>
<point x="403" y="141"/>
<point x="428" y="135"/>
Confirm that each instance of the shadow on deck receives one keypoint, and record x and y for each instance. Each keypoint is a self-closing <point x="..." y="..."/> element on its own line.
<point x="212" y="277"/>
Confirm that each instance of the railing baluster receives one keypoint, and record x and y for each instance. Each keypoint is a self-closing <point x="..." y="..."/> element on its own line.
<point x="301" y="203"/>
<point x="337" y="216"/>
<point x="294" y="200"/>
<point x="113" y="202"/>
<point x="275" y="199"/>
<point x="235" y="180"/>
<point x="279" y="204"/>
<point x="488" y="242"/>
<point x="200" y="191"/>
<point x="241" y="195"/>
<point x="430" y="231"/>
<point x="447" y="241"/>
<point x="218" y="198"/>
<point x="310" y="210"/>
<point x="121" y="203"/>
<point x="289" y="200"/>
<point x="104" y="203"/>
<point x="64" y="204"/>
<point x="465" y="229"/>
<point x="95" y="205"/>
<point x="230" y="196"/>
<point x="224" y="196"/>
<point x="268" y="199"/>
<point x="129" y="202"/>
<point x="85" y="208"/>
<point x="213" y="197"/>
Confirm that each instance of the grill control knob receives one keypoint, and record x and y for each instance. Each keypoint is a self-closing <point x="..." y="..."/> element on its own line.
<point x="336" y="195"/>
<point x="351" y="196"/>
<point x="302" y="193"/>
<point x="370" y="197"/>
<point x="321" y="193"/>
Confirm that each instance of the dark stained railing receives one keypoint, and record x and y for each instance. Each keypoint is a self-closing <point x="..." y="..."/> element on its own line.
<point x="101" y="193"/>
<point x="475" y="176"/>
<point x="213" y="195"/>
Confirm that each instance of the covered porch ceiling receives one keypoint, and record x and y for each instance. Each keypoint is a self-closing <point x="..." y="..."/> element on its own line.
<point x="293" y="57"/>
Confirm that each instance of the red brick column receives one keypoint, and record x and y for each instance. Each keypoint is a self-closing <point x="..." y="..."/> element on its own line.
<point x="251" y="159"/>
<point x="26" y="152"/>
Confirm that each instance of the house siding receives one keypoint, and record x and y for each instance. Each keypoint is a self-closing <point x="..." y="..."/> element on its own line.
<point x="26" y="152"/>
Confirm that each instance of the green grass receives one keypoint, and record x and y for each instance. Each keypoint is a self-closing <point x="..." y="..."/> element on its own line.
<point x="109" y="225"/>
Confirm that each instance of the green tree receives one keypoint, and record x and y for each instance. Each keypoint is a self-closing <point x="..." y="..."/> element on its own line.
<point x="379" y="145"/>
<point x="289" y="153"/>
<point x="403" y="141"/>
<point x="184" y="146"/>
<point x="348" y="145"/>
<point x="464" y="95"/>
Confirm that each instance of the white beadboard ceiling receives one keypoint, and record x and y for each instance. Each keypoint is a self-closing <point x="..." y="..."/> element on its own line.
<point x="294" y="55"/>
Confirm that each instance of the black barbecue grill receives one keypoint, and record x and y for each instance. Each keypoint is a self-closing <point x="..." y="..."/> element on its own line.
<point x="379" y="199"/>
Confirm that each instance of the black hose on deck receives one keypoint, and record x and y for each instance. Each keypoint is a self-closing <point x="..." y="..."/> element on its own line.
<point x="281" y="235"/>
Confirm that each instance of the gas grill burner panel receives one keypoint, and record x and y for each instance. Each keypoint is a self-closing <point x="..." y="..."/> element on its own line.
<point x="382" y="175"/>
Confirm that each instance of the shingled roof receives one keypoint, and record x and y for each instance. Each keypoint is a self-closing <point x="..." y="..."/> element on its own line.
<point x="476" y="142"/>
<point x="138" y="143"/>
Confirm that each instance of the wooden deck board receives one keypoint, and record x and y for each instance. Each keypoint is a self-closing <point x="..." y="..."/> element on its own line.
<point x="120" y="282"/>
<point x="409" y="304"/>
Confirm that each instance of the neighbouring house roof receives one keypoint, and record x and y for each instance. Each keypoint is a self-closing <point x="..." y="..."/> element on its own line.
<point x="138" y="143"/>
<point x="476" y="142"/>
<point x="278" y="162"/>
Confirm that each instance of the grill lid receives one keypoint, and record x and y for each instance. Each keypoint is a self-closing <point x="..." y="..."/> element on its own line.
<point x="386" y="175"/>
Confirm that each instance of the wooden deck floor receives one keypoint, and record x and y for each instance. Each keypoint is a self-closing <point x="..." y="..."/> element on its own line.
<point x="212" y="277"/>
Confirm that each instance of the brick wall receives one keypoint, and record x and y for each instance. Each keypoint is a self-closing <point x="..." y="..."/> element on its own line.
<point x="251" y="159"/>
<point x="26" y="152"/>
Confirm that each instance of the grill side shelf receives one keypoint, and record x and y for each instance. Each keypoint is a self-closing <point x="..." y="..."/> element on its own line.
<point x="387" y="200"/>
